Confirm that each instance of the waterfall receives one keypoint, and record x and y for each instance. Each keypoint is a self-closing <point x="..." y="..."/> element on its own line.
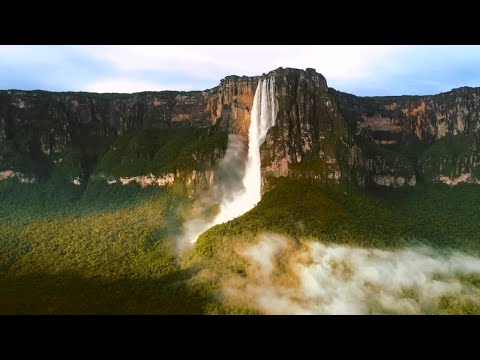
<point x="262" y="118"/>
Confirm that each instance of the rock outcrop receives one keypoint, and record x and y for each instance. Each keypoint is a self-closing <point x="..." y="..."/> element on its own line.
<point x="230" y="104"/>
<point x="309" y="128"/>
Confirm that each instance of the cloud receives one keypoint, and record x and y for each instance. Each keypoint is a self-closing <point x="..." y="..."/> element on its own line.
<point x="28" y="55"/>
<point x="362" y="70"/>
<point x="342" y="62"/>
<point x="129" y="86"/>
<point x="225" y="189"/>
<point x="264" y="253"/>
<point x="285" y="278"/>
<point x="54" y="68"/>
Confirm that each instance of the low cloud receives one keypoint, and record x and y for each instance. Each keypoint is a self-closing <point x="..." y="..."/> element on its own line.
<point x="227" y="187"/>
<point x="314" y="278"/>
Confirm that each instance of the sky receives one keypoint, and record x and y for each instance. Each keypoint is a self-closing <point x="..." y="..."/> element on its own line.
<point x="356" y="69"/>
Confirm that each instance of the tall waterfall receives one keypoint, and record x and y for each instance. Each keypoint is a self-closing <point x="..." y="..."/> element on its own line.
<point x="233" y="205"/>
<point x="262" y="118"/>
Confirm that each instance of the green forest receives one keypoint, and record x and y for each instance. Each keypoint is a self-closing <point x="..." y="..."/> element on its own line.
<point x="95" y="248"/>
<point x="116" y="254"/>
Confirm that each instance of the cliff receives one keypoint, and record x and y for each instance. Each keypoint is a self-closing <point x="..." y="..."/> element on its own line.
<point x="438" y="134"/>
<point x="50" y="121"/>
<point x="406" y="119"/>
<point x="320" y="134"/>
<point x="309" y="129"/>
<point x="45" y="134"/>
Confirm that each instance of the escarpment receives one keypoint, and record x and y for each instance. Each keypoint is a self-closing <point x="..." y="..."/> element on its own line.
<point x="320" y="134"/>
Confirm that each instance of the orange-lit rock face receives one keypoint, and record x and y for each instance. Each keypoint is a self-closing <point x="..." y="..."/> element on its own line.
<point x="232" y="104"/>
<point x="417" y="111"/>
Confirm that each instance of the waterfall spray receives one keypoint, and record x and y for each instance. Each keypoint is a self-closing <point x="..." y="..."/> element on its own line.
<point x="262" y="118"/>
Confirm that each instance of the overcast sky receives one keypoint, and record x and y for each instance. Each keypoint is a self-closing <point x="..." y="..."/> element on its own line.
<point x="361" y="70"/>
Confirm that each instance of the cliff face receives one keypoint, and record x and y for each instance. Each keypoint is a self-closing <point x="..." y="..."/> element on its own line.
<point x="443" y="127"/>
<point x="313" y="140"/>
<point x="51" y="120"/>
<point x="39" y="129"/>
<point x="406" y="119"/>
<point x="308" y="130"/>
<point x="231" y="103"/>
<point x="320" y="134"/>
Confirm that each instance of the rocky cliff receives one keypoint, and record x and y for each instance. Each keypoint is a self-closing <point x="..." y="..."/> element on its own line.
<point x="308" y="132"/>
<point x="313" y="139"/>
<point x="39" y="130"/>
<point x="439" y="132"/>
<point x="52" y="120"/>
<point x="406" y="119"/>
<point x="320" y="134"/>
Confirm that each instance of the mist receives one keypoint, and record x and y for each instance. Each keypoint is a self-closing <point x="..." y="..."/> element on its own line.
<point x="287" y="277"/>
<point x="227" y="187"/>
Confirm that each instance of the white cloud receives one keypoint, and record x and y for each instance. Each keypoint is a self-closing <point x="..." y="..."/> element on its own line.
<point x="314" y="278"/>
<point x="27" y="55"/>
<point x="363" y="70"/>
<point x="335" y="62"/>
<point x="12" y="50"/>
<point x="174" y="59"/>
<point x="130" y="86"/>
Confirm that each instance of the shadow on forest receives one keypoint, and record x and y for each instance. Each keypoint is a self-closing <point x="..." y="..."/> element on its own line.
<point x="69" y="293"/>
